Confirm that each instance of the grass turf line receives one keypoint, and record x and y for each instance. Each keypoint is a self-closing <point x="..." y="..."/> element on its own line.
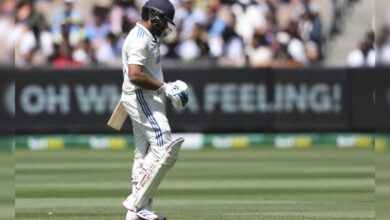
<point x="7" y="203"/>
<point x="204" y="185"/>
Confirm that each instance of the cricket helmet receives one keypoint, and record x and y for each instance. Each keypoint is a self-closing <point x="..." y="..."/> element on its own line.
<point x="160" y="12"/>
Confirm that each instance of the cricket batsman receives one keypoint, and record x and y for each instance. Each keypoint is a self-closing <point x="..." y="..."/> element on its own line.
<point x="143" y="99"/>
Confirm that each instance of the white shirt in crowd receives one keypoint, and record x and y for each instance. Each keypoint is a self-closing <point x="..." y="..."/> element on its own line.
<point x="384" y="55"/>
<point x="357" y="59"/>
<point x="297" y="50"/>
<point x="250" y="19"/>
<point x="189" y="20"/>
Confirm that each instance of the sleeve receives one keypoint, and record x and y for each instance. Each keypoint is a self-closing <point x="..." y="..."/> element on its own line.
<point x="136" y="52"/>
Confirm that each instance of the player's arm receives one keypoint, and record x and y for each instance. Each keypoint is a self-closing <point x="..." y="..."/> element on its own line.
<point x="176" y="91"/>
<point x="139" y="78"/>
<point x="136" y="55"/>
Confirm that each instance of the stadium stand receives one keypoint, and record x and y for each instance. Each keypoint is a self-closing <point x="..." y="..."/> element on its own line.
<point x="225" y="33"/>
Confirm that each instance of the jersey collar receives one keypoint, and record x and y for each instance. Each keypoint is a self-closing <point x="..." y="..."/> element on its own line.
<point x="150" y="35"/>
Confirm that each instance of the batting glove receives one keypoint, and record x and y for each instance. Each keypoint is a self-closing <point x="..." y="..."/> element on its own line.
<point x="176" y="92"/>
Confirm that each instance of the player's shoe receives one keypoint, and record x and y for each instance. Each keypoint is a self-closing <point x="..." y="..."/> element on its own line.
<point x="148" y="215"/>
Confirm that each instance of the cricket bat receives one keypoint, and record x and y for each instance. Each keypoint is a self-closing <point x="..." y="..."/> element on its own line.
<point x="118" y="117"/>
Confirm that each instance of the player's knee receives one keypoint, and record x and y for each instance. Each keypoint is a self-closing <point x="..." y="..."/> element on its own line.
<point x="139" y="157"/>
<point x="173" y="153"/>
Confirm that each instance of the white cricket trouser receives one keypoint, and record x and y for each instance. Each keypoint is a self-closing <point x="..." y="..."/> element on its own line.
<point x="150" y="125"/>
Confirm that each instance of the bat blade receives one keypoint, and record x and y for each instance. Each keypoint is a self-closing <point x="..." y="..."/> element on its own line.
<point x="118" y="117"/>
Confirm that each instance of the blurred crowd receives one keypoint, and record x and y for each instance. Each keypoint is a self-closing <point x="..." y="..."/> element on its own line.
<point x="226" y="33"/>
<point x="372" y="51"/>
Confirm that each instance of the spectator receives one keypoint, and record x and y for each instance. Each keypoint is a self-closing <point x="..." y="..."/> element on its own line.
<point x="215" y="23"/>
<point x="188" y="18"/>
<point x="271" y="16"/>
<point x="63" y="58"/>
<point x="234" y="32"/>
<point x="188" y="50"/>
<point x="250" y="16"/>
<point x="364" y="56"/>
<point x="259" y="52"/>
<point x="25" y="41"/>
<point x="295" y="45"/>
<point x="43" y="38"/>
<point x="233" y="49"/>
<point x="70" y="18"/>
<point x="370" y="38"/>
<point x="124" y="15"/>
<point x="313" y="53"/>
<point x="7" y="27"/>
<point x="98" y="27"/>
<point x="201" y="39"/>
<point x="109" y="53"/>
<point x="84" y="53"/>
<point x="218" y="20"/>
<point x="282" y="57"/>
<point x="316" y="30"/>
<point x="383" y="47"/>
<point x="280" y="47"/>
<point x="309" y="26"/>
<point x="48" y="8"/>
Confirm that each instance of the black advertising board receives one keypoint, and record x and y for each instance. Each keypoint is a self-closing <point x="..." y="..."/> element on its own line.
<point x="221" y="100"/>
<point x="362" y="89"/>
<point x="313" y="100"/>
<point x="282" y="100"/>
<point x="7" y="97"/>
<point x="65" y="101"/>
<point x="382" y="100"/>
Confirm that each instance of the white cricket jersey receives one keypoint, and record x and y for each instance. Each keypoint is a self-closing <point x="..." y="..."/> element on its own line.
<point x="141" y="48"/>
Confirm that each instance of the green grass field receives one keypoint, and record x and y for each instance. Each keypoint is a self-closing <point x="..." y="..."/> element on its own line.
<point x="382" y="186"/>
<point x="7" y="203"/>
<point x="204" y="185"/>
